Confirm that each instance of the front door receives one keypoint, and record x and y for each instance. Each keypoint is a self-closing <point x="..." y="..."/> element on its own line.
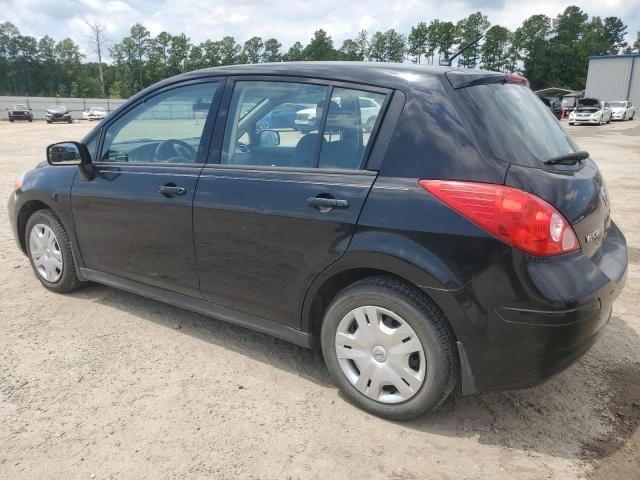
<point x="134" y="219"/>
<point x="281" y="203"/>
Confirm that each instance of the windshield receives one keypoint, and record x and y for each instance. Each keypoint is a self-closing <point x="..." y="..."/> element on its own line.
<point x="618" y="104"/>
<point x="20" y="107"/>
<point x="513" y="124"/>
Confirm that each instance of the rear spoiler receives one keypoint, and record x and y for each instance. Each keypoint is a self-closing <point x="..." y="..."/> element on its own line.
<point x="462" y="78"/>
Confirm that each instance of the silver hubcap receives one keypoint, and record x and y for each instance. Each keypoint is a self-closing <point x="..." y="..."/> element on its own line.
<point x="380" y="354"/>
<point x="45" y="252"/>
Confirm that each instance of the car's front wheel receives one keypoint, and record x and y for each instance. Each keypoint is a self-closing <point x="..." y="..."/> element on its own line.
<point x="389" y="348"/>
<point x="49" y="251"/>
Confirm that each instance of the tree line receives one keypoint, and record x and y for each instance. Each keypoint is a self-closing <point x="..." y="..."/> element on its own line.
<point x="548" y="51"/>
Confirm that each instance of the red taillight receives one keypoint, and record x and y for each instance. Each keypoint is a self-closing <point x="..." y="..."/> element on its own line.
<point x="515" y="78"/>
<point x="514" y="216"/>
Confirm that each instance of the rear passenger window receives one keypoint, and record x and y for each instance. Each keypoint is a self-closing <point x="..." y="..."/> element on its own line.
<point x="273" y="124"/>
<point x="353" y="115"/>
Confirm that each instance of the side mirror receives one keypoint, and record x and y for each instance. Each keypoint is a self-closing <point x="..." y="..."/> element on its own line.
<point x="268" y="138"/>
<point x="68" y="153"/>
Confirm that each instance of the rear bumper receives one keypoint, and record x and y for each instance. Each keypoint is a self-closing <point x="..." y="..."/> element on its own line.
<point x="554" y="314"/>
<point x="19" y="116"/>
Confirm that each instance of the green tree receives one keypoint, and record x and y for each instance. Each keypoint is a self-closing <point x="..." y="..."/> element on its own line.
<point x="178" y="54"/>
<point x="229" y="51"/>
<point x="320" y="47"/>
<point x="355" y="49"/>
<point x="615" y="32"/>
<point x="532" y="48"/>
<point x="418" y="41"/>
<point x="196" y="58"/>
<point x="140" y="37"/>
<point x="568" y="62"/>
<point x="636" y="44"/>
<point x="252" y="50"/>
<point x="158" y="56"/>
<point x="272" y="51"/>
<point x="377" y="47"/>
<point x="469" y="30"/>
<point x="389" y="46"/>
<point x="446" y="35"/>
<point x="495" y="49"/>
<point x="295" y="53"/>
<point x="396" y="46"/>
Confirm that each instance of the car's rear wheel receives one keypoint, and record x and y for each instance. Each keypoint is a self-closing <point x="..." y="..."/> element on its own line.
<point x="49" y="251"/>
<point x="389" y="348"/>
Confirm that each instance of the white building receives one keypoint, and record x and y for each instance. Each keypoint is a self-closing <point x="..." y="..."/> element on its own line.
<point x="614" y="77"/>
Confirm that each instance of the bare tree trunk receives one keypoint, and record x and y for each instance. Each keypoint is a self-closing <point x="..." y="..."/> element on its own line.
<point x="98" y="38"/>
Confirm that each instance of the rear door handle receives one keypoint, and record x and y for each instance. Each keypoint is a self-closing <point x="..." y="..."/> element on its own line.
<point x="172" y="190"/>
<point x="327" y="203"/>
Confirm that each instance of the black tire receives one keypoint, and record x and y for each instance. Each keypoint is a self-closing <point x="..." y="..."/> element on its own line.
<point x="11" y="120"/>
<point x="48" y="121"/>
<point x="68" y="281"/>
<point x="431" y="327"/>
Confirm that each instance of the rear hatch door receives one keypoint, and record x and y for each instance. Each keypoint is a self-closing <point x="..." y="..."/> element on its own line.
<point x="512" y="125"/>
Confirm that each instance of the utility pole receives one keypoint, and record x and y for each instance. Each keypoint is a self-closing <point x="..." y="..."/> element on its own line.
<point x="98" y="39"/>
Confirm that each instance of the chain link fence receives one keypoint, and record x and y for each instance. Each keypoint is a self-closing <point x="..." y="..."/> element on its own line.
<point x="76" y="106"/>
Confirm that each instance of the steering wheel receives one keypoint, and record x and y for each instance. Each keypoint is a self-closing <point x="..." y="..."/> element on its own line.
<point x="242" y="147"/>
<point x="174" y="150"/>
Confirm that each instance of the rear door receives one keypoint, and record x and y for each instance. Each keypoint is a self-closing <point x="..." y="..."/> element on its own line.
<point x="274" y="207"/>
<point x="134" y="219"/>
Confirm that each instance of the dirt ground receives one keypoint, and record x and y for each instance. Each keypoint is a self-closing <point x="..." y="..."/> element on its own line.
<point x="105" y="384"/>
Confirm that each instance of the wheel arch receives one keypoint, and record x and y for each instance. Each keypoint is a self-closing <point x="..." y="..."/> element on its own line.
<point x="355" y="266"/>
<point x="26" y="210"/>
<point x="33" y="205"/>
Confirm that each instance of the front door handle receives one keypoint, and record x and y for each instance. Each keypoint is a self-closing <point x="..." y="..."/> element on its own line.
<point x="324" y="204"/>
<point x="171" y="190"/>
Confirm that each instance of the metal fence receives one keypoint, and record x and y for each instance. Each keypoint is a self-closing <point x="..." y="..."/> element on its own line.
<point x="75" y="105"/>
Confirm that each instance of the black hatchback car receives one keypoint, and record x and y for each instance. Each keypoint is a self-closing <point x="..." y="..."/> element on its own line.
<point x="463" y="240"/>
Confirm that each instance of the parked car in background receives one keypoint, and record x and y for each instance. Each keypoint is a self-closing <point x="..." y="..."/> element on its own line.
<point x="464" y="241"/>
<point x="306" y="120"/>
<point x="20" y="112"/>
<point x="622" y="110"/>
<point x="94" y="113"/>
<point x="58" y="113"/>
<point x="283" y="117"/>
<point x="554" y="104"/>
<point x="591" y="111"/>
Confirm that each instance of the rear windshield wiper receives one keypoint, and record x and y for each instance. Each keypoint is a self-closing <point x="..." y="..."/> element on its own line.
<point x="568" y="159"/>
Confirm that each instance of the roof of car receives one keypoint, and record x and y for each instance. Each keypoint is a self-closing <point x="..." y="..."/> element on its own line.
<point x="392" y="75"/>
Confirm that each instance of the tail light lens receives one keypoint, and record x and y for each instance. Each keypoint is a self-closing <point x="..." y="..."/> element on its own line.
<point x="514" y="216"/>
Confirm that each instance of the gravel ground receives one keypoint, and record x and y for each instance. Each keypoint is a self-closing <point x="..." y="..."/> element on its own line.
<point x="105" y="384"/>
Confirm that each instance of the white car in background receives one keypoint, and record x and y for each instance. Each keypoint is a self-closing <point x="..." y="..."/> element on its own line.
<point x="94" y="113"/>
<point x="591" y="111"/>
<point x="306" y="119"/>
<point x="622" y="110"/>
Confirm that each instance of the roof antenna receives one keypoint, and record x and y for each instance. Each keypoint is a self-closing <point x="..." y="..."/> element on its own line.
<point x="447" y="63"/>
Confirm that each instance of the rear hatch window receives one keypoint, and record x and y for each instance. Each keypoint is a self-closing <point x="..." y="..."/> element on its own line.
<point x="513" y="124"/>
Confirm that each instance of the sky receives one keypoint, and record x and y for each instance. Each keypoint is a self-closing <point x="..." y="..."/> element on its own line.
<point x="288" y="20"/>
